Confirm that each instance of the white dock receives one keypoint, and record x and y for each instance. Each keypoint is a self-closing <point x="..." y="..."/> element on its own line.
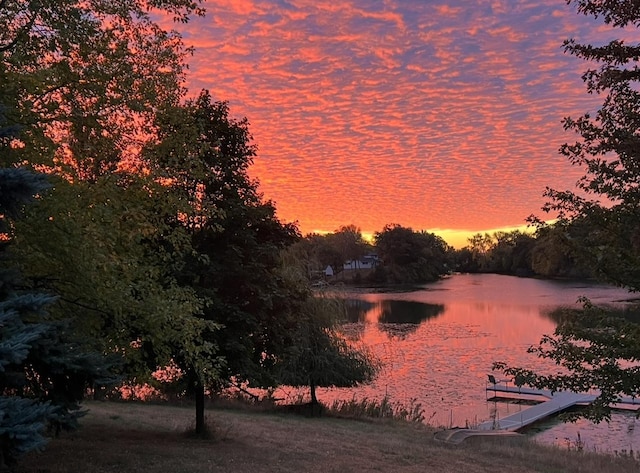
<point x="549" y="404"/>
<point x="559" y="402"/>
<point x="552" y="403"/>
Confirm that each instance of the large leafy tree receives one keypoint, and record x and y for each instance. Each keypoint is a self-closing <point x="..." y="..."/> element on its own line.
<point x="84" y="80"/>
<point x="85" y="77"/>
<point x="202" y="156"/>
<point x="107" y="250"/>
<point x="594" y="348"/>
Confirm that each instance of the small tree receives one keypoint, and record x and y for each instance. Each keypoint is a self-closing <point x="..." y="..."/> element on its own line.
<point x="320" y="356"/>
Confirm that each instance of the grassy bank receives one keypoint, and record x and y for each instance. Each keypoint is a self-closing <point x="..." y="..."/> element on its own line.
<point x="123" y="438"/>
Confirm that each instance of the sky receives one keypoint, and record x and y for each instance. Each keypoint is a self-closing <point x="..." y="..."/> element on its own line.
<point x="439" y="115"/>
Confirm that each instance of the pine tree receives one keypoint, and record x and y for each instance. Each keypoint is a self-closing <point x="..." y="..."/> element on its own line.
<point x="22" y="420"/>
<point x="43" y="373"/>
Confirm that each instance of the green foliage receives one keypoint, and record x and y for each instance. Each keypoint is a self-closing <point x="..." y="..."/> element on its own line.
<point x="319" y="356"/>
<point x="548" y="253"/>
<point x="607" y="198"/>
<point x="598" y="224"/>
<point x="333" y="249"/>
<point x="22" y="426"/>
<point x="595" y="348"/>
<point x="202" y="155"/>
<point x="347" y="242"/>
<point x="84" y="78"/>
<point x="118" y="290"/>
<point x="43" y="371"/>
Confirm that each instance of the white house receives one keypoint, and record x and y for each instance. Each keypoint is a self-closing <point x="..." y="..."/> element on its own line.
<point x="366" y="262"/>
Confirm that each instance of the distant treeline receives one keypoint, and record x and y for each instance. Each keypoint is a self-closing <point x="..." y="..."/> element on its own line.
<point x="401" y="255"/>
<point x="549" y="253"/>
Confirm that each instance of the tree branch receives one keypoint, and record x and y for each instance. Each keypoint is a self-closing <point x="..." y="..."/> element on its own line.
<point x="22" y="32"/>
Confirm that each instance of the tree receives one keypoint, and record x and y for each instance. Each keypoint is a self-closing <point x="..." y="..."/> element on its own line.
<point x="347" y="242"/>
<point x="318" y="253"/>
<point x="608" y="149"/>
<point x="84" y="78"/>
<point x="480" y="246"/>
<point x="319" y="355"/>
<point x="202" y="155"/>
<point x="511" y="253"/>
<point x="107" y="250"/>
<point x="43" y="370"/>
<point x="22" y="420"/>
<point x="411" y="257"/>
<point x="595" y="348"/>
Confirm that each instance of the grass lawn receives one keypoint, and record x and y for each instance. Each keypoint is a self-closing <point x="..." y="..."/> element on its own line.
<point x="135" y="437"/>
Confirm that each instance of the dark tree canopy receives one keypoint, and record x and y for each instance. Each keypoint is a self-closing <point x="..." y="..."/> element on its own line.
<point x="596" y="348"/>
<point x="411" y="257"/>
<point x="202" y="156"/>
<point x="607" y="198"/>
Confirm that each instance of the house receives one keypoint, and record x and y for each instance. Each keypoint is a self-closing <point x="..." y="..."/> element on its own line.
<point x="365" y="262"/>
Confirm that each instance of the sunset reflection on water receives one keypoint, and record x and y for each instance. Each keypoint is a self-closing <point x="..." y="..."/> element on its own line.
<point x="438" y="344"/>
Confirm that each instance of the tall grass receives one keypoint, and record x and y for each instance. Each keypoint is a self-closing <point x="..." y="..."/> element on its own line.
<point x="382" y="409"/>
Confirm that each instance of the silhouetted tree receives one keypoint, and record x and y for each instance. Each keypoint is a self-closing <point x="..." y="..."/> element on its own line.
<point x="319" y="355"/>
<point x="411" y="257"/>
<point x="203" y="156"/>
<point x="596" y="348"/>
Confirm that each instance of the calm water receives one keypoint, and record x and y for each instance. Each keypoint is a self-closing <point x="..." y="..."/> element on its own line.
<point x="438" y="345"/>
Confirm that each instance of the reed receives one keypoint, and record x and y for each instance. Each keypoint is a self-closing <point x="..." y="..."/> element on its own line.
<point x="378" y="409"/>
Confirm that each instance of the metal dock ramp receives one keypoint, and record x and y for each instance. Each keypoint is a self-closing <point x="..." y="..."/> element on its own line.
<point x="552" y="403"/>
<point x="558" y="402"/>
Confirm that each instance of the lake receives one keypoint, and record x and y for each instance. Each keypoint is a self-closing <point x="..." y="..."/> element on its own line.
<point x="438" y="344"/>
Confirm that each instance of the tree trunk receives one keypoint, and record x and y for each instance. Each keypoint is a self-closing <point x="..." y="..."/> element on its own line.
<point x="200" y="427"/>
<point x="312" y="387"/>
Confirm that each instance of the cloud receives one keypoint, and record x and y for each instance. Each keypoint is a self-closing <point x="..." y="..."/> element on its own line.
<point x="426" y="115"/>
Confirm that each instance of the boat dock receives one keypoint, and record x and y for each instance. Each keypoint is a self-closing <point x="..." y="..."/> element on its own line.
<point x="552" y="403"/>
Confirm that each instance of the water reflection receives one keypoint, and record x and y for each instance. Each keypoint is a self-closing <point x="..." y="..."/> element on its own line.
<point x="439" y="343"/>
<point x="357" y="309"/>
<point x="395" y="318"/>
<point x="408" y="312"/>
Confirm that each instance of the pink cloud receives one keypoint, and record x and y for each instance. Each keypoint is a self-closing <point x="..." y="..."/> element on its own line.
<point x="441" y="116"/>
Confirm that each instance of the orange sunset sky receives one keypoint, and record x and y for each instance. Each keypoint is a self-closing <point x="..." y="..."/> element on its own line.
<point x="439" y="115"/>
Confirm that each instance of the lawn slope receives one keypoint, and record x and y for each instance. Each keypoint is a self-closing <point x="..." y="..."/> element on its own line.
<point x="131" y="437"/>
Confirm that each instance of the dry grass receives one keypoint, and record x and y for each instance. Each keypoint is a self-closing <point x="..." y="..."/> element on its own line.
<point x="123" y="438"/>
